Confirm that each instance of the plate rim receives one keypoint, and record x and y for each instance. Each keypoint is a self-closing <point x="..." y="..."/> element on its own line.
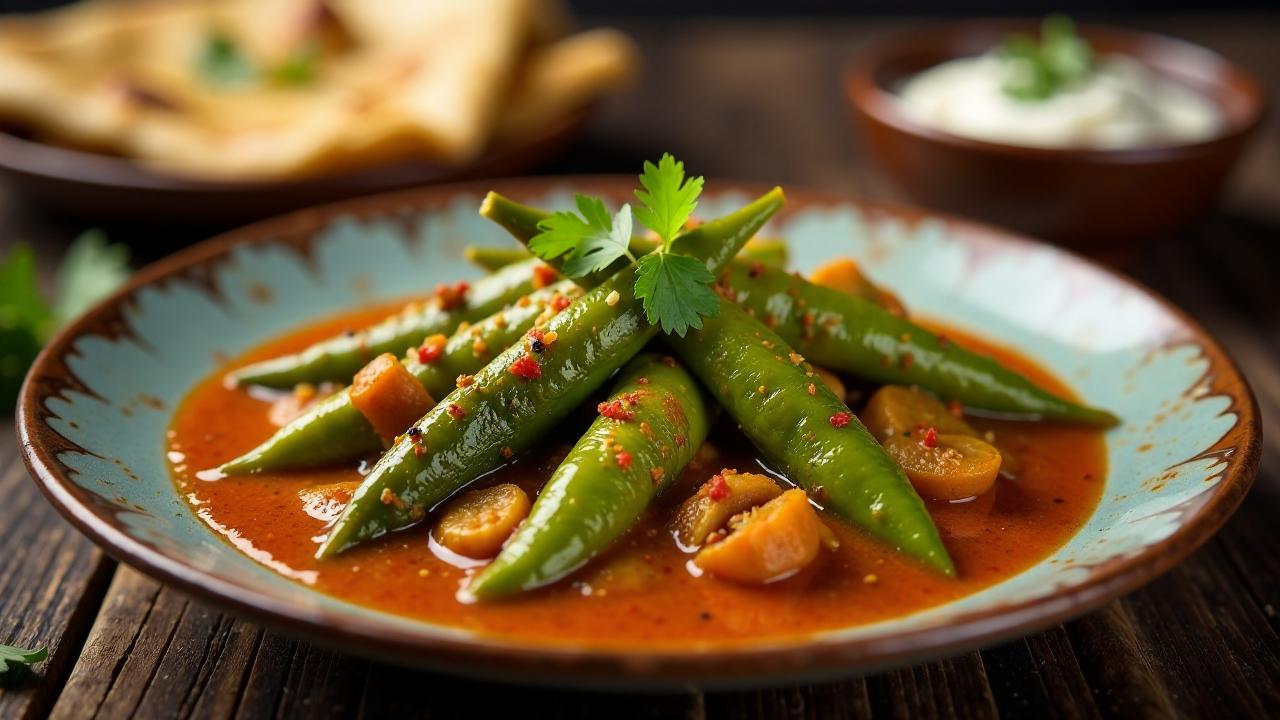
<point x="503" y="659"/>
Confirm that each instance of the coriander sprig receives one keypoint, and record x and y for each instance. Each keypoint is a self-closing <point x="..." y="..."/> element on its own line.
<point x="674" y="289"/>
<point x="1041" y="67"/>
<point x="14" y="660"/>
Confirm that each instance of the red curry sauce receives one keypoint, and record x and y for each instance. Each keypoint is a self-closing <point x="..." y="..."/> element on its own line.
<point x="641" y="594"/>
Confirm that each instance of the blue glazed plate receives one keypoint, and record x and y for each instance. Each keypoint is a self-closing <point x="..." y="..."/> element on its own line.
<point x="95" y="408"/>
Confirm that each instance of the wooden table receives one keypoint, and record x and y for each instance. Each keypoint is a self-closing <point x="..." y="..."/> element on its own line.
<point x="757" y="101"/>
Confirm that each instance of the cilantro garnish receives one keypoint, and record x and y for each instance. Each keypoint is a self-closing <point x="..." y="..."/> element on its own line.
<point x="668" y="200"/>
<point x="298" y="68"/>
<point x="222" y="64"/>
<point x="15" y="659"/>
<point x="91" y="270"/>
<point x="675" y="289"/>
<point x="1038" y="68"/>
<point x="592" y="239"/>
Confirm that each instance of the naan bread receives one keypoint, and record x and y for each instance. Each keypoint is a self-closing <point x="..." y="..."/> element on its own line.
<point x="396" y="79"/>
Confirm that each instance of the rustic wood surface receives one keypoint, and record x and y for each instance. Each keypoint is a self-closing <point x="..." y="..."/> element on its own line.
<point x="757" y="101"/>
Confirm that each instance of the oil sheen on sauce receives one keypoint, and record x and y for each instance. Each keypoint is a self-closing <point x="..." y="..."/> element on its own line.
<point x="640" y="594"/>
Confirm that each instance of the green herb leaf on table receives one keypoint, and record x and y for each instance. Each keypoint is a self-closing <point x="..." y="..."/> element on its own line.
<point x="13" y="658"/>
<point x="25" y="320"/>
<point x="91" y="270"/>
<point x="676" y="291"/>
<point x="668" y="200"/>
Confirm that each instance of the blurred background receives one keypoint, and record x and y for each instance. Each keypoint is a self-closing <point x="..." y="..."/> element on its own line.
<point x="158" y="139"/>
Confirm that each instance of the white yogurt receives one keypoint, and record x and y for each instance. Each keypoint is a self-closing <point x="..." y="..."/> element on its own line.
<point x="1122" y="104"/>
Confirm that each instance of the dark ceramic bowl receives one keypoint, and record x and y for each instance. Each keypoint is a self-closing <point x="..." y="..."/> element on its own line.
<point x="1090" y="199"/>
<point x="113" y="188"/>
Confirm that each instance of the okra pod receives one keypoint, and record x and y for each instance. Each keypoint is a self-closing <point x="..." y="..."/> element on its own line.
<point x="519" y="396"/>
<point x="648" y="430"/>
<point x="807" y="433"/>
<point x="338" y="358"/>
<point x="334" y="431"/>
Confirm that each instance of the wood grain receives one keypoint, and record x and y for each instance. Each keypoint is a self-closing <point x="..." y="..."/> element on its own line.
<point x="758" y="101"/>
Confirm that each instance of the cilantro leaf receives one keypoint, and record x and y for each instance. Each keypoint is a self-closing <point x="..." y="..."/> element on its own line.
<point x="668" y="199"/>
<point x="13" y="658"/>
<point x="592" y="239"/>
<point x="220" y="63"/>
<point x="1039" y="67"/>
<point x="298" y="68"/>
<point x="676" y="291"/>
<point x="599" y="251"/>
<point x="564" y="230"/>
<point x="91" y="270"/>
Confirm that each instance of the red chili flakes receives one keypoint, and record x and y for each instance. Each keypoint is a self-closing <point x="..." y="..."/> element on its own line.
<point x="464" y="381"/>
<point x="756" y="269"/>
<point x="526" y="368"/>
<point x="930" y="439"/>
<point x="451" y="296"/>
<point x="907" y="361"/>
<point x="813" y="389"/>
<point x="623" y="459"/>
<point x="642" y="381"/>
<point x="646" y="429"/>
<point x="560" y="302"/>
<point x="506" y="453"/>
<point x="536" y="340"/>
<point x="656" y="475"/>
<point x="680" y="441"/>
<point x="544" y="275"/>
<point x="456" y="412"/>
<point x="717" y="488"/>
<point x="431" y="349"/>
<point x="668" y="361"/>
<point x="955" y="407"/>
<point x="615" y="411"/>
<point x="807" y="319"/>
<point x="840" y="419"/>
<point x="632" y="398"/>
<point x="943" y="341"/>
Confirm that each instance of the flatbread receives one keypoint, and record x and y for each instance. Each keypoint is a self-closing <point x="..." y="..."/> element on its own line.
<point x="397" y="79"/>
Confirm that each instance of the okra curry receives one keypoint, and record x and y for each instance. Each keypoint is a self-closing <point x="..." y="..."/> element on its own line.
<point x="640" y="430"/>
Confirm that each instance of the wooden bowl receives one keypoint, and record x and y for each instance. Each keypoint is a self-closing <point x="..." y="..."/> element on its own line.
<point x="1092" y="199"/>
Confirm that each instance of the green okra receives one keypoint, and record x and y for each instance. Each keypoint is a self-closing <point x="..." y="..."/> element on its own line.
<point x="337" y="359"/>
<point x="851" y="334"/>
<point x="334" y="431"/>
<point x="768" y="251"/>
<point x="510" y="405"/>
<point x="658" y="416"/>
<point x="807" y="433"/>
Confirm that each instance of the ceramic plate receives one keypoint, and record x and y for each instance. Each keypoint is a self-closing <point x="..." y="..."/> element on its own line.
<point x="95" y="408"/>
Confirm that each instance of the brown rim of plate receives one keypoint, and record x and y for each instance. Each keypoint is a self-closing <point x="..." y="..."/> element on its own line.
<point x="864" y="89"/>
<point x="767" y="663"/>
